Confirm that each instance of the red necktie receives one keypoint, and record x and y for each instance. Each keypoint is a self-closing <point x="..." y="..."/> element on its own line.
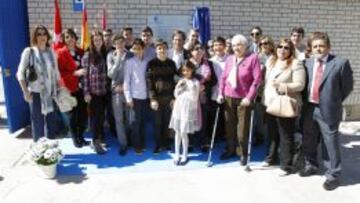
<point x="317" y="80"/>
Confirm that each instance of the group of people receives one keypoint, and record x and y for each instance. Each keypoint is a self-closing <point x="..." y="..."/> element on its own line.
<point x="130" y="81"/>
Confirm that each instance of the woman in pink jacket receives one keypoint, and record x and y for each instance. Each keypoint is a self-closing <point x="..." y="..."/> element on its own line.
<point x="237" y="88"/>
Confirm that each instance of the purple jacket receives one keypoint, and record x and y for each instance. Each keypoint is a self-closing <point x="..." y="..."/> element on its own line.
<point x="249" y="77"/>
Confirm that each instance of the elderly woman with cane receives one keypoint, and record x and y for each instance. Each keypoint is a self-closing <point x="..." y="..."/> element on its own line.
<point x="237" y="88"/>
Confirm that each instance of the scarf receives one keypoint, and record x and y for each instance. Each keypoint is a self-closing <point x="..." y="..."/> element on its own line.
<point x="47" y="76"/>
<point x="232" y="78"/>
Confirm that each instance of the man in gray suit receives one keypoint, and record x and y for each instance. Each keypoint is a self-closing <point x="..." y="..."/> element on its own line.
<point x="330" y="81"/>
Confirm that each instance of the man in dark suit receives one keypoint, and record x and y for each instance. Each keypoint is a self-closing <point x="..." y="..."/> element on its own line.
<point x="177" y="53"/>
<point x="330" y="81"/>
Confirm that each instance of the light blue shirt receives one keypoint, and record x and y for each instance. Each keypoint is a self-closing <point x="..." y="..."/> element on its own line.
<point x="134" y="80"/>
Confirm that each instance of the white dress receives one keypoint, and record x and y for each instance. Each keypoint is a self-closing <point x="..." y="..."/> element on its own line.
<point x="186" y="114"/>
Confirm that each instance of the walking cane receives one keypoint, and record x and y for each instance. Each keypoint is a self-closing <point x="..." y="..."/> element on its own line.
<point x="247" y="167"/>
<point x="209" y="162"/>
<point x="89" y="112"/>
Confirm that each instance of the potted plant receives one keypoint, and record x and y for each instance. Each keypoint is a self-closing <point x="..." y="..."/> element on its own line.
<point x="46" y="154"/>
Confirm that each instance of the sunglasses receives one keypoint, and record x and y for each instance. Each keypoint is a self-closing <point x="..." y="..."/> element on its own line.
<point x="68" y="36"/>
<point x="255" y="34"/>
<point x="284" y="47"/>
<point x="264" y="43"/>
<point x="198" y="48"/>
<point x="43" y="33"/>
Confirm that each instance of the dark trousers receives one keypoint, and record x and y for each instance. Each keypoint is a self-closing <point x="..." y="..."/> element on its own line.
<point x="315" y="129"/>
<point x="202" y="138"/>
<point x="220" y="129"/>
<point x="237" y="120"/>
<point x="162" y="119"/>
<point x="98" y="105"/>
<point x="38" y="123"/>
<point x="78" y="115"/>
<point x="281" y="131"/>
<point x="259" y="124"/>
<point x="110" y="114"/>
<point x="140" y="108"/>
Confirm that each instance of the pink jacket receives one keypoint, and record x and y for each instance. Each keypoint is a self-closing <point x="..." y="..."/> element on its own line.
<point x="249" y="77"/>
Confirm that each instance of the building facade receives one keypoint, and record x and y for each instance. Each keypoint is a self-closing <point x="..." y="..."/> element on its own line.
<point x="339" y="18"/>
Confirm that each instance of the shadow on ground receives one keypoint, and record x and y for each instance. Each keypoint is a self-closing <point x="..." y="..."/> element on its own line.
<point x="350" y="149"/>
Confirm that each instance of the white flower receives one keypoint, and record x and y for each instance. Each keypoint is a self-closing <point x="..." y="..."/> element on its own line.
<point x="48" y="153"/>
<point x="45" y="151"/>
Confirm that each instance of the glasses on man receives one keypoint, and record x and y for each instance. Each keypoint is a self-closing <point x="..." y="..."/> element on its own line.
<point x="68" y="36"/>
<point x="198" y="48"/>
<point x="264" y="43"/>
<point x="283" y="47"/>
<point x="255" y="34"/>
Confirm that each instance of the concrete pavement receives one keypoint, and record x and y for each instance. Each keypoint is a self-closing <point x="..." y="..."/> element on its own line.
<point x="22" y="182"/>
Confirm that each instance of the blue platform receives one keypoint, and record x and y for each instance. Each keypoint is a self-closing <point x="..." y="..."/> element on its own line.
<point x="85" y="161"/>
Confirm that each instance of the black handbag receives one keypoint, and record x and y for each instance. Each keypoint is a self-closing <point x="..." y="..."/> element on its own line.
<point x="30" y="73"/>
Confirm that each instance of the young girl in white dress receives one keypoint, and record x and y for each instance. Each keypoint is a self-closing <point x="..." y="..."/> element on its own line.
<point x="186" y="114"/>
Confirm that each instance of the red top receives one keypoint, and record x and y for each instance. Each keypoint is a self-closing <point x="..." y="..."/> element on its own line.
<point x="67" y="67"/>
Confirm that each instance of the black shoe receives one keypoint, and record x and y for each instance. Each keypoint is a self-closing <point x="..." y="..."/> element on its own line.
<point x="84" y="142"/>
<point x="243" y="160"/>
<point x="184" y="162"/>
<point x="122" y="151"/>
<point x="331" y="184"/>
<point x="156" y="150"/>
<point x="77" y="143"/>
<point x="308" y="171"/>
<point x="138" y="151"/>
<point x="177" y="162"/>
<point x="190" y="149"/>
<point x="227" y="155"/>
<point x="99" y="149"/>
<point x="286" y="171"/>
<point x="205" y="148"/>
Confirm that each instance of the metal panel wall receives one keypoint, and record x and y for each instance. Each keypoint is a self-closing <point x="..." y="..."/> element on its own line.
<point x="14" y="37"/>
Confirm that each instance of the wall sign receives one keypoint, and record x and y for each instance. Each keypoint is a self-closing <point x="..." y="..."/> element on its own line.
<point x="164" y="25"/>
<point x="78" y="5"/>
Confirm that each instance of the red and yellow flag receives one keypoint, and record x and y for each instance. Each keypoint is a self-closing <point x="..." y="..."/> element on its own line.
<point x="85" y="37"/>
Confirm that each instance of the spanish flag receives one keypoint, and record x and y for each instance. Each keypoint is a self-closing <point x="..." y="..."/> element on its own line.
<point x="85" y="37"/>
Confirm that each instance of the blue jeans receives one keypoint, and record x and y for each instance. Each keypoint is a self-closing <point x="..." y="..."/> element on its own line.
<point x="38" y="123"/>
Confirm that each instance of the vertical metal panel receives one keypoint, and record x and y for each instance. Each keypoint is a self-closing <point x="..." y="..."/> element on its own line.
<point x="14" y="37"/>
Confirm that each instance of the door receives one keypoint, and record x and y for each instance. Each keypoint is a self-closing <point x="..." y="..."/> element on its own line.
<point x="14" y="37"/>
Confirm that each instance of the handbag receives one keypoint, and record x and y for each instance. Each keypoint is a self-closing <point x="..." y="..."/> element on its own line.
<point x="64" y="100"/>
<point x="283" y="106"/>
<point x="30" y="73"/>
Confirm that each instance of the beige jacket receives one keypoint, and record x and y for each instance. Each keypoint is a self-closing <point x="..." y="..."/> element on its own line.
<point x="291" y="77"/>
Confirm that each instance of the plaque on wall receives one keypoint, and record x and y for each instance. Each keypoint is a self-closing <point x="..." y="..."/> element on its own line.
<point x="164" y="25"/>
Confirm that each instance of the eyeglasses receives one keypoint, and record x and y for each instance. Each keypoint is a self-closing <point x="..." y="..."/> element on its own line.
<point x="41" y="33"/>
<point x="255" y="34"/>
<point x="68" y="36"/>
<point x="264" y="43"/>
<point x="283" y="47"/>
<point x="198" y="48"/>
